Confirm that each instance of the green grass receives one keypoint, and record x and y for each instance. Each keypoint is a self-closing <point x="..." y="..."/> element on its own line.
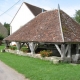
<point x="36" y="69"/>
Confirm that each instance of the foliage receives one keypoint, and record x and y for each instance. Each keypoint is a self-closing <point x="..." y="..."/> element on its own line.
<point x="1" y="37"/>
<point x="24" y="49"/>
<point x="77" y="16"/>
<point x="45" y="53"/>
<point x="13" y="47"/>
<point x="7" y="26"/>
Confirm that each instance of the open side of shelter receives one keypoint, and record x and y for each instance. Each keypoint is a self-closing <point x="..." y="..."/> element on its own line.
<point x="66" y="50"/>
<point x="50" y="27"/>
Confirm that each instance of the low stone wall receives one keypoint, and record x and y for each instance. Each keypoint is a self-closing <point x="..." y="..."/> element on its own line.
<point x="53" y="59"/>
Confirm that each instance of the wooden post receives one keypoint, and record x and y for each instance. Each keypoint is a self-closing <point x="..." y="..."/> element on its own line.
<point x="68" y="54"/>
<point x="77" y="55"/>
<point x="59" y="50"/>
<point x="77" y="48"/>
<point x="18" y="44"/>
<point x="6" y="44"/>
<point x="32" y="47"/>
<point x="62" y="51"/>
<point x="69" y="51"/>
<point x="65" y="51"/>
<point x="21" y="45"/>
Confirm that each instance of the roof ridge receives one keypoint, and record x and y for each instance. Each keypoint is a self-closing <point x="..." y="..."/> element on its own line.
<point x="60" y="22"/>
<point x="45" y="12"/>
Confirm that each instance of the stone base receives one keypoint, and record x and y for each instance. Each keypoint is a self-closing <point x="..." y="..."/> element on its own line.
<point x="53" y="59"/>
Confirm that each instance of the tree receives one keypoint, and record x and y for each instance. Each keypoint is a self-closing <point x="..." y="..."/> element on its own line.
<point x="1" y="38"/>
<point x="7" y="27"/>
<point x="77" y="16"/>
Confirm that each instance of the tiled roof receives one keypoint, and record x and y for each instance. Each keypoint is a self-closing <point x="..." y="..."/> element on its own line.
<point x="46" y="28"/>
<point x="71" y="29"/>
<point x="34" y="9"/>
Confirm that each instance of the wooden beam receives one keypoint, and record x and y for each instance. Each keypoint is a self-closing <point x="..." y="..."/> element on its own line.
<point x="18" y="44"/>
<point x="22" y="44"/>
<point x="59" y="50"/>
<point x="66" y="50"/>
<point x="36" y="45"/>
<point x="69" y="51"/>
<point x="32" y="47"/>
<point x="63" y="51"/>
<point x="77" y="55"/>
<point x="77" y="48"/>
<point x="7" y="44"/>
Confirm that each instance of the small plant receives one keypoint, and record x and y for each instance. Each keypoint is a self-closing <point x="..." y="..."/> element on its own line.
<point x="13" y="47"/>
<point x="46" y="53"/>
<point x="24" y="49"/>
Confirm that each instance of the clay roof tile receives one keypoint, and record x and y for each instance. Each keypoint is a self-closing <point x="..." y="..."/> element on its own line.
<point x="46" y="28"/>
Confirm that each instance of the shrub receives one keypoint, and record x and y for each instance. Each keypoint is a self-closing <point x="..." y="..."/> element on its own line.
<point x="46" y="53"/>
<point x="13" y="47"/>
<point x="1" y="37"/>
<point x="24" y="49"/>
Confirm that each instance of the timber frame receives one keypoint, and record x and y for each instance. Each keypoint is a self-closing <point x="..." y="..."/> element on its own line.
<point x="64" y="49"/>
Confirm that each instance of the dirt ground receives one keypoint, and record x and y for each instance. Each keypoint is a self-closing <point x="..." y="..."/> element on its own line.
<point x="7" y="73"/>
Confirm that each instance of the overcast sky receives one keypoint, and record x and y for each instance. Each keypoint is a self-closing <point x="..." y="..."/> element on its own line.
<point x="68" y="6"/>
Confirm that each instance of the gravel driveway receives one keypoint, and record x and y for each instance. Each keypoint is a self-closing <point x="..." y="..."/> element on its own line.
<point x="7" y="73"/>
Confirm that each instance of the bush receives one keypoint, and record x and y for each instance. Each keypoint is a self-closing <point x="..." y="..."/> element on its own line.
<point x="46" y="53"/>
<point x="24" y="49"/>
<point x="1" y="37"/>
<point x="13" y="47"/>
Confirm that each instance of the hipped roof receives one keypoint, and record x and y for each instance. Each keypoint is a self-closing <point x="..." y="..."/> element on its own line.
<point x="49" y="26"/>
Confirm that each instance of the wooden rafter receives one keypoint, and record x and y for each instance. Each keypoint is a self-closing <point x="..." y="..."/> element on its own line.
<point x="64" y="50"/>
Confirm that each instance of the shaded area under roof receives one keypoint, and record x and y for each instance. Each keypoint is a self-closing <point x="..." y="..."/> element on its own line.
<point x="46" y="28"/>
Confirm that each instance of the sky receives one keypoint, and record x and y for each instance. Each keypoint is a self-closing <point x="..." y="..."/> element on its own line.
<point x="68" y="6"/>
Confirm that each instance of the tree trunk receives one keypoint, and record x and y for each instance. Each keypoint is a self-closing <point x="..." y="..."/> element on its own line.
<point x="0" y="42"/>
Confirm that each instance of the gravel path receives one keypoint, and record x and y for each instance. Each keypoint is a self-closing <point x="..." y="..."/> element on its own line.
<point x="7" y="73"/>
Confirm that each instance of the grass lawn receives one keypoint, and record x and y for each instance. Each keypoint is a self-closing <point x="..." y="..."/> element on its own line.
<point x="36" y="69"/>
